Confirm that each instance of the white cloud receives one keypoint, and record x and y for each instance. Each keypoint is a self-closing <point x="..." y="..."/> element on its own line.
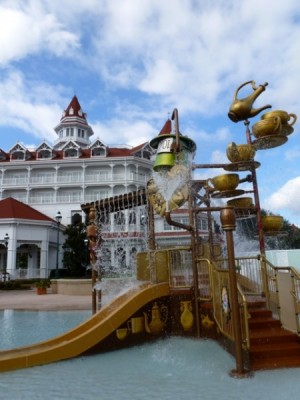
<point x="287" y="197"/>
<point x="147" y="59"/>
<point x="31" y="29"/>
<point x="194" y="54"/>
<point x="120" y="131"/>
<point x="33" y="110"/>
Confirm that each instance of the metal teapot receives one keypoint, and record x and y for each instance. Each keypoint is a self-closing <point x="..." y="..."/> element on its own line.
<point x="158" y="321"/>
<point x="241" y="109"/>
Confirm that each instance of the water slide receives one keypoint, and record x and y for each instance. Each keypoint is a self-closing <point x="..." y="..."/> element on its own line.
<point x="86" y="335"/>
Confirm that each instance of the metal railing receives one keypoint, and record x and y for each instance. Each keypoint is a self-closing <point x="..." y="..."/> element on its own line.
<point x="283" y="293"/>
<point x="221" y="305"/>
<point x="24" y="273"/>
<point x="180" y="267"/>
<point x="249" y="275"/>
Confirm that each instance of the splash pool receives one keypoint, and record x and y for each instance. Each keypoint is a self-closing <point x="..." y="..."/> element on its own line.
<point x="174" y="368"/>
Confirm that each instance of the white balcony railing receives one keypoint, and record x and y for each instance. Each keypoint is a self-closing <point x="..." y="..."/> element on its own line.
<point x="42" y="180"/>
<point x="41" y="200"/>
<point x="15" y="181"/>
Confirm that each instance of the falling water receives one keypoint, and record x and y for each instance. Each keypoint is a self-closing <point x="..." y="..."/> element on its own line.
<point x="122" y="233"/>
<point x="169" y="181"/>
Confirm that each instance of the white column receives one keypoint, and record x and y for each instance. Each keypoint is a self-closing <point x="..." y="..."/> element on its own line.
<point x="44" y="259"/>
<point x="11" y="255"/>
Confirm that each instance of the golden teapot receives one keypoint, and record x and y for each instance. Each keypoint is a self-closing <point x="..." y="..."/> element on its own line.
<point x="241" y="109"/>
<point x="157" y="323"/>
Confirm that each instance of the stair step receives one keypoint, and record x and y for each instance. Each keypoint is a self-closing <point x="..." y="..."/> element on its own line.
<point x="271" y="346"/>
<point x="274" y="363"/>
<point x="264" y="323"/>
<point x="271" y="335"/>
<point x="259" y="313"/>
<point x="255" y="302"/>
<point x="271" y="350"/>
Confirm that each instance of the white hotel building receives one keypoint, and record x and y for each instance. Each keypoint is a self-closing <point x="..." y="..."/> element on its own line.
<point x="61" y="177"/>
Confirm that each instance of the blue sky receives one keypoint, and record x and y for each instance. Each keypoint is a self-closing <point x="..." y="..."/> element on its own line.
<point x="131" y="62"/>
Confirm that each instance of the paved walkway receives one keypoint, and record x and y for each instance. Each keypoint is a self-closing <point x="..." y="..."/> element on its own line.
<point x="29" y="300"/>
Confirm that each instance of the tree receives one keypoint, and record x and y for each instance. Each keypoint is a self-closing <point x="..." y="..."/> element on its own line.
<point x="75" y="251"/>
<point x="291" y="239"/>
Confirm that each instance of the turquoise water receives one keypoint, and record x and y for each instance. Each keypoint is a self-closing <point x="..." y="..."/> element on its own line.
<point x="20" y="328"/>
<point x="170" y="369"/>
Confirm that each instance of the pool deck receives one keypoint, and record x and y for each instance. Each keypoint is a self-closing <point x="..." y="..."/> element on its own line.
<point x="29" y="300"/>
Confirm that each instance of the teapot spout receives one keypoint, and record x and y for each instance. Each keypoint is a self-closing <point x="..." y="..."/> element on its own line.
<point x="256" y="111"/>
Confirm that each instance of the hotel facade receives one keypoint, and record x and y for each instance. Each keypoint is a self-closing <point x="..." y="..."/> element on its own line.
<point x="61" y="177"/>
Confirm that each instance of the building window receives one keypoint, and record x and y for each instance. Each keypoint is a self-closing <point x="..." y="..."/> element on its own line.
<point x="202" y="224"/>
<point x="132" y="218"/>
<point x="119" y="218"/>
<point x="98" y="151"/>
<point x="44" y="154"/>
<point x="71" y="153"/>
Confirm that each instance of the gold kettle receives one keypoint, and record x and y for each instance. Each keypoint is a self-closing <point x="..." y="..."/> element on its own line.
<point x="157" y="323"/>
<point x="241" y="109"/>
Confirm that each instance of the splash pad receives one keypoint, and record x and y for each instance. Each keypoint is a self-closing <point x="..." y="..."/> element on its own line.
<point x="192" y="290"/>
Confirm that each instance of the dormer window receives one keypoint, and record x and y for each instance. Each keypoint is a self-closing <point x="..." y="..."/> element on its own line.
<point x="71" y="149"/>
<point x="44" y="151"/>
<point x="18" y="155"/>
<point x="71" y="111"/>
<point x="2" y="156"/>
<point x="19" y="152"/>
<point x="71" y="153"/>
<point x="80" y="113"/>
<point x="44" y="154"/>
<point x="145" y="152"/>
<point x="98" y="152"/>
<point x="98" y="149"/>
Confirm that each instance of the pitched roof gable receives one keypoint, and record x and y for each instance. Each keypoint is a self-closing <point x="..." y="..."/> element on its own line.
<point x="74" y="110"/>
<point x="12" y="208"/>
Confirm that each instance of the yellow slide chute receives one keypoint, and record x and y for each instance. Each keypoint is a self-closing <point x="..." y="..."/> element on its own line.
<point x="86" y="335"/>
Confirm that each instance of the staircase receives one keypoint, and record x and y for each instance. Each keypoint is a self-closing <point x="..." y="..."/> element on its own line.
<point x="271" y="346"/>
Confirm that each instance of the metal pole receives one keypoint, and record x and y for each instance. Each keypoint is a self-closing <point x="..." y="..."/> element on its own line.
<point x="228" y="224"/>
<point x="57" y="251"/>
<point x="261" y="236"/>
<point x="86" y="248"/>
<point x="6" y="238"/>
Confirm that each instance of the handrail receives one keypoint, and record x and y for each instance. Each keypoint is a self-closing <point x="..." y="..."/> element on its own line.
<point x="222" y="314"/>
<point x="295" y="297"/>
<point x="245" y="315"/>
<point x="272" y="279"/>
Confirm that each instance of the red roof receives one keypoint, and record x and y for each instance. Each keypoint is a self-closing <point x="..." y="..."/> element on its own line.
<point x="167" y="128"/>
<point x="74" y="110"/>
<point x="12" y="208"/>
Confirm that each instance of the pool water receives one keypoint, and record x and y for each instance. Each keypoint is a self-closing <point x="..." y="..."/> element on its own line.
<point x="20" y="328"/>
<point x="170" y="369"/>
